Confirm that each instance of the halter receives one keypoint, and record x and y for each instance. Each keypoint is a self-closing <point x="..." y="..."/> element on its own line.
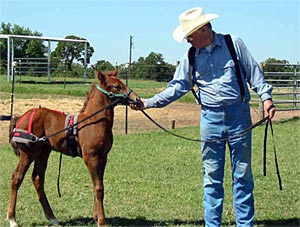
<point x="113" y="95"/>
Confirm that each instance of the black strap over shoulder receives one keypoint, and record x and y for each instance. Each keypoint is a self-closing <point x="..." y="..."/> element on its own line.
<point x="229" y="43"/>
<point x="191" y="55"/>
<point x="230" y="46"/>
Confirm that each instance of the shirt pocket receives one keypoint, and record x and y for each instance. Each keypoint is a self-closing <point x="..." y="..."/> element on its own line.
<point x="224" y="67"/>
<point x="226" y="72"/>
<point x="203" y="73"/>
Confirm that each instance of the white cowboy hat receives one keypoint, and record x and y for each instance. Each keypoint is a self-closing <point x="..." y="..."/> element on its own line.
<point x="190" y="21"/>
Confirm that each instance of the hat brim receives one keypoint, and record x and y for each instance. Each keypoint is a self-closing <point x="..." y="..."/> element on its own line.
<point x="179" y="35"/>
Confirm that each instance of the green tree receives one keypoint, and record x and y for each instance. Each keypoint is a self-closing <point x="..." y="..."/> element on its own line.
<point x="276" y="65"/>
<point x="153" y="67"/>
<point x="23" y="48"/>
<point x="279" y="67"/>
<point x="103" y="65"/>
<point x="67" y="52"/>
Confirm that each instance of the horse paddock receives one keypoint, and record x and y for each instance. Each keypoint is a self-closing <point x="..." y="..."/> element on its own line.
<point x="177" y="113"/>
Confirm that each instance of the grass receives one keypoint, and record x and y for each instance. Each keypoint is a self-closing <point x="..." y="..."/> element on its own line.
<point x="154" y="179"/>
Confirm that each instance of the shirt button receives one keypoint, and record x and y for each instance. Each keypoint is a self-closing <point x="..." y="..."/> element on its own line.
<point x="211" y="65"/>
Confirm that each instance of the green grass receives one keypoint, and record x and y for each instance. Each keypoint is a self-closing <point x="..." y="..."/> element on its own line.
<point x="74" y="87"/>
<point x="154" y="179"/>
<point x="39" y="87"/>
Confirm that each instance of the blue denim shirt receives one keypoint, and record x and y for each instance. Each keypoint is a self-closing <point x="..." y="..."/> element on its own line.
<point x="215" y="76"/>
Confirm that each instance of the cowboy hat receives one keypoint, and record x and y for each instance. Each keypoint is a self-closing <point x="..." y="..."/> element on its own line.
<point x="190" y="21"/>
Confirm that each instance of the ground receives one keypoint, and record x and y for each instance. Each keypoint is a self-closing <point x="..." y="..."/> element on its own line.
<point x="177" y="113"/>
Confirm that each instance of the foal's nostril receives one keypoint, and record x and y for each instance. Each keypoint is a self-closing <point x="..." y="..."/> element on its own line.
<point x="138" y="102"/>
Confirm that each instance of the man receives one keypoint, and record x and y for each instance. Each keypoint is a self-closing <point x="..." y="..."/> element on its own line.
<point x="225" y="111"/>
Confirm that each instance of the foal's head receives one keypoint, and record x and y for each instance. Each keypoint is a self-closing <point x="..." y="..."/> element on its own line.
<point x="112" y="86"/>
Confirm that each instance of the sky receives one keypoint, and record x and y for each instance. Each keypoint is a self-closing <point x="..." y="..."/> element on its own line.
<point x="269" y="28"/>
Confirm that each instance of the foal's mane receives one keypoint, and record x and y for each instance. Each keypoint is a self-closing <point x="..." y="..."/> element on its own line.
<point x="88" y="96"/>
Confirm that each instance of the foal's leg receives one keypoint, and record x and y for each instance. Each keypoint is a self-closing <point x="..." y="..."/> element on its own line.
<point x="17" y="179"/>
<point x="96" y="168"/>
<point x="38" y="179"/>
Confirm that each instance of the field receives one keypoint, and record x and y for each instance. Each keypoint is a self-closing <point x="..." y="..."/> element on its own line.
<point x="152" y="178"/>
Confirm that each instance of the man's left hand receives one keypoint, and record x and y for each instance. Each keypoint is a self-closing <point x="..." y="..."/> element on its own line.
<point x="269" y="108"/>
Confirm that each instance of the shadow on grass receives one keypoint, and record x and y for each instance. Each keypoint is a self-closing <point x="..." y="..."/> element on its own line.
<point x="142" y="221"/>
<point x="120" y="221"/>
<point x="274" y="223"/>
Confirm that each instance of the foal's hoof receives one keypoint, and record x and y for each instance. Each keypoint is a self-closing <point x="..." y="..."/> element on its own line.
<point x="103" y="225"/>
<point x="13" y="223"/>
<point x="54" y="221"/>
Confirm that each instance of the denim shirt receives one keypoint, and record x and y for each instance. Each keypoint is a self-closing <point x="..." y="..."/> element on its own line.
<point x="214" y="75"/>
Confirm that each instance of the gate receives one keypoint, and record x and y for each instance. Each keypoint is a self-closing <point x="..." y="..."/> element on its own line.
<point x="286" y="87"/>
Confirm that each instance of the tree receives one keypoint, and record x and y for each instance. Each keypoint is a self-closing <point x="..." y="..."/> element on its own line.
<point x="67" y="52"/>
<point x="153" y="67"/>
<point x="276" y="65"/>
<point x="22" y="48"/>
<point x="103" y="65"/>
<point x="272" y="65"/>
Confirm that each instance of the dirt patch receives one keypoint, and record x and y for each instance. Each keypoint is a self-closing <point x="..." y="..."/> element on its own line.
<point x="177" y="113"/>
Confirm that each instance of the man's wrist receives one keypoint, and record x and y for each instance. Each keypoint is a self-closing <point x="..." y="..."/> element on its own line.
<point x="269" y="99"/>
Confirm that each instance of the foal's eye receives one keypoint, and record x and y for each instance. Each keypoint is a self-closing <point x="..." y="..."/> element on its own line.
<point x="117" y="88"/>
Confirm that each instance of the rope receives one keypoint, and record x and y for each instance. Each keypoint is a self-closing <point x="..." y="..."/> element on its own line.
<point x="236" y="136"/>
<point x="209" y="141"/>
<point x="275" y="155"/>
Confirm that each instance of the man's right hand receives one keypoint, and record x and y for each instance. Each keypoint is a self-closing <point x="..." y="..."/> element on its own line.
<point x="138" y="106"/>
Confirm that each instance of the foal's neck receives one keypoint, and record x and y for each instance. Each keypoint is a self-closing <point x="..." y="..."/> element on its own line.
<point x="96" y="101"/>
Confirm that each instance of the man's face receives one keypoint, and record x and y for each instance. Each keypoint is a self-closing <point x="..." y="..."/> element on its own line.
<point x="198" y="38"/>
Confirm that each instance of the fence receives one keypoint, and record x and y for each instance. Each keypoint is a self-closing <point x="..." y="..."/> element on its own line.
<point x="286" y="87"/>
<point x="32" y="66"/>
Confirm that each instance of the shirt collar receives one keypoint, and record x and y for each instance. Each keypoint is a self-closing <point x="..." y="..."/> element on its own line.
<point x="216" y="42"/>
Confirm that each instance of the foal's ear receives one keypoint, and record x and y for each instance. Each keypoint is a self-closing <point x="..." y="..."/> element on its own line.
<point x="115" y="72"/>
<point x="100" y="76"/>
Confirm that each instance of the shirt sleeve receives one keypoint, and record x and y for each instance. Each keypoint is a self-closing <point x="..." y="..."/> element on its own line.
<point x="176" y="88"/>
<point x="252" y="71"/>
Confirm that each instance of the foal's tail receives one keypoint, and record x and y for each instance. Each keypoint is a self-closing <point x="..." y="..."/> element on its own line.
<point x="12" y="125"/>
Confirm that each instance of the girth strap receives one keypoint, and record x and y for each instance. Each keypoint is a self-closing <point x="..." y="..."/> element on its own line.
<point x="71" y="135"/>
<point x="71" y="124"/>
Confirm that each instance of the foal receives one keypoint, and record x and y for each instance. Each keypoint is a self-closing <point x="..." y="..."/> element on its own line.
<point x="40" y="130"/>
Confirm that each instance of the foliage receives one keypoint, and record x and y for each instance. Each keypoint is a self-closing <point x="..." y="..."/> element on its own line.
<point x="276" y="65"/>
<point x="153" y="67"/>
<point x="154" y="179"/>
<point x="67" y="52"/>
<point x="103" y="65"/>
<point x="283" y="71"/>
<point x="23" y="48"/>
<point x="69" y="55"/>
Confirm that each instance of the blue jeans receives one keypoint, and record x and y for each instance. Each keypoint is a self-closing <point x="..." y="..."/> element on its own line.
<point x="218" y="123"/>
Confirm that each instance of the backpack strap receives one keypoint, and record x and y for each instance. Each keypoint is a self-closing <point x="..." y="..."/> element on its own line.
<point x="232" y="51"/>
<point x="191" y="57"/>
<point x="229" y="43"/>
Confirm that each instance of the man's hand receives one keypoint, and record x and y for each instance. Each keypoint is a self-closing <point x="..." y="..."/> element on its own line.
<point x="269" y="108"/>
<point x="141" y="105"/>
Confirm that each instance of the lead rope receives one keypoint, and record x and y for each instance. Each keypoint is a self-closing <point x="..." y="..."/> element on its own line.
<point x="208" y="141"/>
<point x="58" y="176"/>
<point x="235" y="136"/>
<point x="275" y="155"/>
